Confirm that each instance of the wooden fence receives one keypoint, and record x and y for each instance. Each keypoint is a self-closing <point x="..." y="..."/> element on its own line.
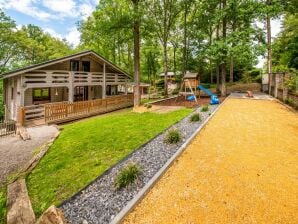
<point x="65" y="111"/>
<point x="7" y="128"/>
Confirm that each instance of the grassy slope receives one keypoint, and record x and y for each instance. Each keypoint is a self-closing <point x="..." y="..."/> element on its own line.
<point x="2" y="205"/>
<point x="85" y="149"/>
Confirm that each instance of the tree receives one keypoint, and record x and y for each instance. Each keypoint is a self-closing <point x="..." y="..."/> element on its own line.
<point x="164" y="14"/>
<point x="136" y="35"/>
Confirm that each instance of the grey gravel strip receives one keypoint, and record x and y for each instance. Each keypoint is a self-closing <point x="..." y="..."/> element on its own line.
<point x="100" y="202"/>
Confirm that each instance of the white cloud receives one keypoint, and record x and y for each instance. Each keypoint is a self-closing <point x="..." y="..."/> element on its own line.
<point x="73" y="36"/>
<point x="56" y="9"/>
<point x="53" y="33"/>
<point x="86" y="10"/>
<point x="65" y="8"/>
<point x="26" y="7"/>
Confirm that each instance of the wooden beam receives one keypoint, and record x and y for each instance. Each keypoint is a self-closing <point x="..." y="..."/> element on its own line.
<point x="104" y="81"/>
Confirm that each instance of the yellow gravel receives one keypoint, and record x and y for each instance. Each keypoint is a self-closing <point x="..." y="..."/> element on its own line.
<point x="241" y="168"/>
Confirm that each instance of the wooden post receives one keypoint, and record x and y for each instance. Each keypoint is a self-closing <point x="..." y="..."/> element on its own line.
<point x="70" y="87"/>
<point x="22" y="116"/>
<point x="104" y="82"/>
<point x="125" y="86"/>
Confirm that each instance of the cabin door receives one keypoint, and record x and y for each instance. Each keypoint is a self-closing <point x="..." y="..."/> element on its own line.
<point x="81" y="93"/>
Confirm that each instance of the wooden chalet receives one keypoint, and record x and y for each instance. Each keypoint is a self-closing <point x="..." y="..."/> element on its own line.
<point x="63" y="89"/>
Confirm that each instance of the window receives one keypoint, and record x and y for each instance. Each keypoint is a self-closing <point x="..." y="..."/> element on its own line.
<point x="74" y="66"/>
<point x="41" y="94"/>
<point x="86" y="66"/>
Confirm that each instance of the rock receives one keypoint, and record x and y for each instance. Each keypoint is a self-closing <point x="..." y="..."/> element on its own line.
<point x="24" y="133"/>
<point x="18" y="204"/>
<point x="52" y="215"/>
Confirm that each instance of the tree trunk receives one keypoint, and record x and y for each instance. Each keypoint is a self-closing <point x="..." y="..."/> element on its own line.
<point x="223" y="66"/>
<point x="185" y="39"/>
<point x="232" y="70"/>
<point x="217" y="77"/>
<point x="210" y="60"/>
<point x="136" y="35"/>
<point x="269" y="49"/>
<point x="174" y="61"/>
<point x="165" y="68"/>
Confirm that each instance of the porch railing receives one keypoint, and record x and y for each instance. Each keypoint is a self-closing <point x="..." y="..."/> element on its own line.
<point x="65" y="111"/>
<point x="7" y="128"/>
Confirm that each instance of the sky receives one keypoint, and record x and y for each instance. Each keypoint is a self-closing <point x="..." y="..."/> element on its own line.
<point x="59" y="17"/>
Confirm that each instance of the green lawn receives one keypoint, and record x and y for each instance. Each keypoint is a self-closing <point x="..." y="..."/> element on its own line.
<point x="2" y="205"/>
<point x="85" y="149"/>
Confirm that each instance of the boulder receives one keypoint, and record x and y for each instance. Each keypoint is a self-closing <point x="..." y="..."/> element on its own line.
<point x="19" y="209"/>
<point x="52" y="215"/>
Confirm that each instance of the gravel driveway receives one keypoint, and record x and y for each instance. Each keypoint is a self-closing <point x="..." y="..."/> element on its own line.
<point x="242" y="168"/>
<point x="14" y="152"/>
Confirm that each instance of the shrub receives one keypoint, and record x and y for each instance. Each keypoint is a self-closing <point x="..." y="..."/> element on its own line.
<point x="172" y="137"/>
<point x="148" y="105"/>
<point x="205" y="108"/>
<point x="127" y="175"/>
<point x="195" y="117"/>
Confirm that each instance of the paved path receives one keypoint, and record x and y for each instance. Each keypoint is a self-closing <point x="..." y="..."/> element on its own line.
<point x="14" y="152"/>
<point x="241" y="168"/>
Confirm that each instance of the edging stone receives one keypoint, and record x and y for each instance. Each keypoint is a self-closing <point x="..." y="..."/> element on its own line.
<point x="141" y="194"/>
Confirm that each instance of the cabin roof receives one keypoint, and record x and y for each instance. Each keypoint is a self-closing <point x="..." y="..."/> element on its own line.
<point x="57" y="60"/>
<point x="190" y="75"/>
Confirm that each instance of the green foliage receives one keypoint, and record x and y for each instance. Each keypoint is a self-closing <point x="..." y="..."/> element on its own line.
<point x="195" y="117"/>
<point x="148" y="105"/>
<point x="27" y="45"/>
<point x="173" y="136"/>
<point x="2" y="205"/>
<point x="128" y="175"/>
<point x="85" y="149"/>
<point x="205" y="108"/>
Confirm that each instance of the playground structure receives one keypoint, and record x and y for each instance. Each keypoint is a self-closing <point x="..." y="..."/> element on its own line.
<point x="191" y="87"/>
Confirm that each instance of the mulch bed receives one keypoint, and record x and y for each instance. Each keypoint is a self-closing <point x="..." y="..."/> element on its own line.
<point x="181" y="101"/>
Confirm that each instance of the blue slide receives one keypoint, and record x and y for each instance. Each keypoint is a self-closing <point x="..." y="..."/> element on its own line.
<point x="213" y="97"/>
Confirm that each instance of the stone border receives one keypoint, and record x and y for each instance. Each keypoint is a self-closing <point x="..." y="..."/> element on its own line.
<point x="117" y="164"/>
<point x="141" y="194"/>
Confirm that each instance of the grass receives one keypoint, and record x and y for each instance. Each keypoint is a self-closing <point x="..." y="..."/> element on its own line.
<point x="87" y="148"/>
<point x="2" y="205"/>
<point x="172" y="137"/>
<point x="128" y="175"/>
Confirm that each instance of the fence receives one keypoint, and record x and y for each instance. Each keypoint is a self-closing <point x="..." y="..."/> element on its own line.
<point x="66" y="111"/>
<point x="7" y="128"/>
<point x="59" y="112"/>
<point x="279" y="89"/>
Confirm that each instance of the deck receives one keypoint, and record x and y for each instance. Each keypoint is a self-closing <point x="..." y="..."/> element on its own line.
<point x="55" y="113"/>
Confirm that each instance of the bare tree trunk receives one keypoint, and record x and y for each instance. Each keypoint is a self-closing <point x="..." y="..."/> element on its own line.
<point x="232" y="70"/>
<point x="210" y="60"/>
<point x="136" y="35"/>
<point x="174" y="61"/>
<point x="217" y="77"/>
<point x="223" y="66"/>
<point x="165" y="68"/>
<point x="269" y="49"/>
<point x="185" y="39"/>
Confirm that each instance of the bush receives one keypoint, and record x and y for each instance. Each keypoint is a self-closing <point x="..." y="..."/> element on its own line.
<point x="148" y="105"/>
<point x="205" y="108"/>
<point x="195" y="117"/>
<point x="127" y="175"/>
<point x="172" y="137"/>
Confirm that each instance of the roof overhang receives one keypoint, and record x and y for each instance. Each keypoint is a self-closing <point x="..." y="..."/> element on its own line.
<point x="58" y="60"/>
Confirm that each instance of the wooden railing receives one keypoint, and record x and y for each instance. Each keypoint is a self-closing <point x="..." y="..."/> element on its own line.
<point x="66" y="111"/>
<point x="7" y="128"/>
